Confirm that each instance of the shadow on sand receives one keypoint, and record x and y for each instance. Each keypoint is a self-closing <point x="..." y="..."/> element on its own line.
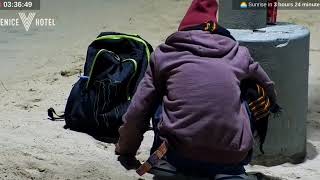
<point x="269" y="161"/>
<point x="251" y="176"/>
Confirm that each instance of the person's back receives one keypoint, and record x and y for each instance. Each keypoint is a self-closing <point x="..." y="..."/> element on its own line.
<point x="196" y="73"/>
<point x="203" y="117"/>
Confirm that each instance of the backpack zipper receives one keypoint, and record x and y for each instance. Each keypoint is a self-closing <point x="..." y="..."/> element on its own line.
<point x="134" y="62"/>
<point x="133" y="37"/>
<point x="131" y="78"/>
<point x="92" y="66"/>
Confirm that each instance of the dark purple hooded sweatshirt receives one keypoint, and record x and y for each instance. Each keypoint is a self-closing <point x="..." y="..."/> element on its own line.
<point x="197" y="76"/>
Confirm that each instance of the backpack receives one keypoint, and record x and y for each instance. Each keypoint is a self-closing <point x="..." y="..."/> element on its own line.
<point x="114" y="66"/>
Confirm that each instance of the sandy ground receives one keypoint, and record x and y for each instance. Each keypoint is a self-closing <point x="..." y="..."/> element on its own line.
<point x="32" y="147"/>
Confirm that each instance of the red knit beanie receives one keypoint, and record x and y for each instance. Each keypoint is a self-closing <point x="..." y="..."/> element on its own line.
<point x="200" y="11"/>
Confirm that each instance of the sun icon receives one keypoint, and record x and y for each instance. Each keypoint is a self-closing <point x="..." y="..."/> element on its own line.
<point x="244" y="5"/>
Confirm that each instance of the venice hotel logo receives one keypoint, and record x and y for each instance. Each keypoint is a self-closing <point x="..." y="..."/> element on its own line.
<point x="26" y="20"/>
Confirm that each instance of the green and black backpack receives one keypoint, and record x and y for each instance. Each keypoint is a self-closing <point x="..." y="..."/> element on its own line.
<point x="114" y="66"/>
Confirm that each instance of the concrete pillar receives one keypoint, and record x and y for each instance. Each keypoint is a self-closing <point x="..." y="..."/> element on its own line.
<point x="283" y="51"/>
<point x="231" y="16"/>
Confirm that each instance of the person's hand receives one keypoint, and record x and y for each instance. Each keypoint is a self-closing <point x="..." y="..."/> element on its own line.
<point x="120" y="152"/>
<point x="272" y="94"/>
<point x="260" y="108"/>
<point x="117" y="149"/>
<point x="129" y="162"/>
<point x="274" y="107"/>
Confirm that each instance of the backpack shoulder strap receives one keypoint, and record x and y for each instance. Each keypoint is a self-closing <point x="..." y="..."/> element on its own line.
<point x="53" y="116"/>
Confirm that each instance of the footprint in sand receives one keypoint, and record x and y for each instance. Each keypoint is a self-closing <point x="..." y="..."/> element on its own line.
<point x="102" y="145"/>
<point x="35" y="171"/>
<point x="36" y="100"/>
<point x="52" y="80"/>
<point x="78" y="59"/>
<point x="71" y="72"/>
<point x="26" y="107"/>
<point x="32" y="90"/>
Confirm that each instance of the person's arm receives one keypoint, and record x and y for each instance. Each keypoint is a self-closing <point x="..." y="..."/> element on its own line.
<point x="256" y="72"/>
<point x="136" y="119"/>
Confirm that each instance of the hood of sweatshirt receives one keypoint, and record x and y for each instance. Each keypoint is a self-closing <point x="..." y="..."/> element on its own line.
<point x="202" y="43"/>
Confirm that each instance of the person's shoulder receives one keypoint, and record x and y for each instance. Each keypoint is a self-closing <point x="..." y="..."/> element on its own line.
<point x="163" y="49"/>
<point x="244" y="51"/>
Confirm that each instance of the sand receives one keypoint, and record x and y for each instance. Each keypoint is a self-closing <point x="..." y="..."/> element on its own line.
<point x="32" y="147"/>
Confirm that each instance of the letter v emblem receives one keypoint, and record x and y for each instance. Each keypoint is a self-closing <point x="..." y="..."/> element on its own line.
<point x="27" y="20"/>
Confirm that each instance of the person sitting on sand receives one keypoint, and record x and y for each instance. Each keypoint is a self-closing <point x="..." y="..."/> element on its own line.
<point x="196" y="74"/>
